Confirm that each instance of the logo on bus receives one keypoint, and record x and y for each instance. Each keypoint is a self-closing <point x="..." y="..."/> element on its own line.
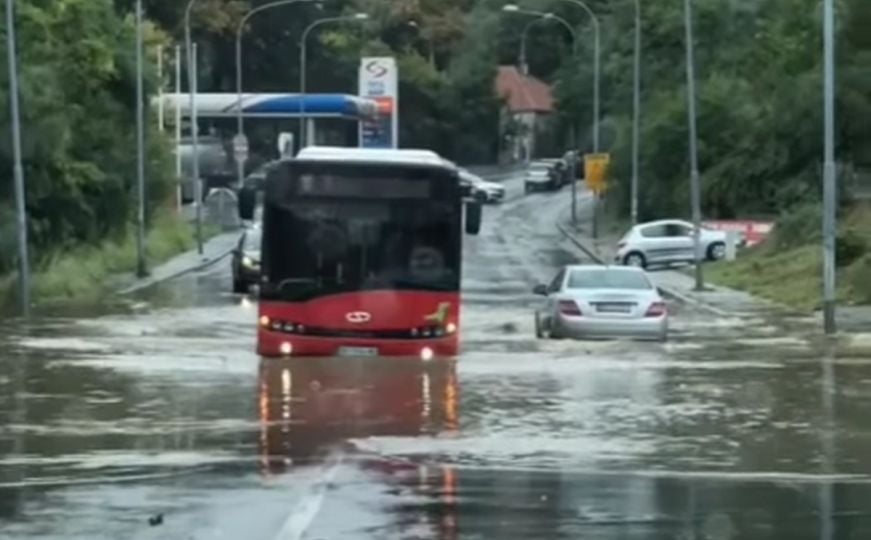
<point x="358" y="317"/>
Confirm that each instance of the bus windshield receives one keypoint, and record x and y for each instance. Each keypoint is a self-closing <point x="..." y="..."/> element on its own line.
<point x="316" y="246"/>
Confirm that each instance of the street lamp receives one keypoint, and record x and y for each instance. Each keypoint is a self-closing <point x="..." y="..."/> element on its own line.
<point x="17" y="169"/>
<point x="636" y="114"/>
<point x="829" y="176"/>
<point x="192" y="115"/>
<point x="695" y="188"/>
<point x="140" y="149"/>
<point x="240" y="135"/>
<point x="596" y="68"/>
<point x="303" y="59"/>
<point x="541" y="16"/>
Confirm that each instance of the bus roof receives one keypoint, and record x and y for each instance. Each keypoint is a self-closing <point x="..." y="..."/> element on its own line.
<point x="375" y="155"/>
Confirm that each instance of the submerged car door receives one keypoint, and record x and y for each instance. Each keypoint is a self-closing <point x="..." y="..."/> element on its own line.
<point x="680" y="241"/>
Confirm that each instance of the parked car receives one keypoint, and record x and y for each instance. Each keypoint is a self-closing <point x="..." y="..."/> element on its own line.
<point x="539" y="177"/>
<point x="584" y="301"/>
<point x="667" y="242"/>
<point x="482" y="190"/>
<point x="246" y="260"/>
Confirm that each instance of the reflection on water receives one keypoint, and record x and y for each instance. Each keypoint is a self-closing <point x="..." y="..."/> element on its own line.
<point x="309" y="406"/>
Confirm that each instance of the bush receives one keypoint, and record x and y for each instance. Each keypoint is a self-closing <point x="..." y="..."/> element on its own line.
<point x="849" y="246"/>
<point x="856" y="280"/>
<point x="798" y="227"/>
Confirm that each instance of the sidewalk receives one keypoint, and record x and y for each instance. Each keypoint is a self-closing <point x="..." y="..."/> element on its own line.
<point x="676" y="283"/>
<point x="214" y="250"/>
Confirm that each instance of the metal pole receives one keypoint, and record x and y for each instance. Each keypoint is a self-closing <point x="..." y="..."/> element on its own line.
<point x="695" y="187"/>
<point x="524" y="66"/>
<point x="17" y="169"/>
<point x="178" y="171"/>
<point x="596" y="68"/>
<point x="829" y="170"/>
<point x="160" y="119"/>
<point x="240" y="165"/>
<point x="303" y="61"/>
<point x="190" y="53"/>
<point x="636" y="113"/>
<point x="140" y="149"/>
<point x="198" y="184"/>
<point x="302" y="89"/>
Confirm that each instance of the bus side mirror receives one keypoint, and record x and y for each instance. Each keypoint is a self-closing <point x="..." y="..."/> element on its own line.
<point x="473" y="217"/>
<point x="247" y="202"/>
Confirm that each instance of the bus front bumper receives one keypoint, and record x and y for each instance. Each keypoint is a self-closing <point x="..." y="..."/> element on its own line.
<point x="275" y="345"/>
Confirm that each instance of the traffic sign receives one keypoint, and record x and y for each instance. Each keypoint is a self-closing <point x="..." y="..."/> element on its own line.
<point x="596" y="171"/>
<point x="240" y="147"/>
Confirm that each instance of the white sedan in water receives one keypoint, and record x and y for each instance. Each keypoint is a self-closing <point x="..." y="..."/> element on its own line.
<point x="585" y="301"/>
<point x="483" y="190"/>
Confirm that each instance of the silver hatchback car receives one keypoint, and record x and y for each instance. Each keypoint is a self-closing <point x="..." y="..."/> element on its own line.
<point x="601" y="301"/>
<point x="667" y="242"/>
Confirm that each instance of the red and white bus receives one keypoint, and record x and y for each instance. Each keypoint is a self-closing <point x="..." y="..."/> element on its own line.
<point x="362" y="254"/>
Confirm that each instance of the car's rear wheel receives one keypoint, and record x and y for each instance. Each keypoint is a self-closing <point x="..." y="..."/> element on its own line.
<point x="716" y="251"/>
<point x="636" y="259"/>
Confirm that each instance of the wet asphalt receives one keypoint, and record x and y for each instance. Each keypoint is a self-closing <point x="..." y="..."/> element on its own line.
<point x="156" y="419"/>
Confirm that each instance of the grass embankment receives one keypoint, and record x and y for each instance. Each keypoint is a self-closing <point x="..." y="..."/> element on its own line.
<point x="787" y="267"/>
<point x="86" y="274"/>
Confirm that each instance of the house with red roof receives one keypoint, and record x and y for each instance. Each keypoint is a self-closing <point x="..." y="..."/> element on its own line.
<point x="528" y="106"/>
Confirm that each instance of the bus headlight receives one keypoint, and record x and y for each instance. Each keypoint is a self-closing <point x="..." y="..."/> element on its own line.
<point x="451" y="328"/>
<point x="426" y="354"/>
<point x="286" y="348"/>
<point x="264" y="321"/>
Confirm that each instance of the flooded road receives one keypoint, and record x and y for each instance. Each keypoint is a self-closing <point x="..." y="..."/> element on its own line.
<point x="159" y="421"/>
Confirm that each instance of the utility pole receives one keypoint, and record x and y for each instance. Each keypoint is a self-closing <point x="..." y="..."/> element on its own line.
<point x="17" y="168"/>
<point x="829" y="170"/>
<point x="178" y="168"/>
<point x="636" y="113"/>
<point x="191" y="55"/>
<point x="695" y="181"/>
<point x="140" y="150"/>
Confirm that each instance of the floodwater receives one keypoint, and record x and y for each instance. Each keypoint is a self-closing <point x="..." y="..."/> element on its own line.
<point x="159" y="421"/>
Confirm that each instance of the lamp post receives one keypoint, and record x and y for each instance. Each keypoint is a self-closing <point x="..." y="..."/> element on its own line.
<point x="240" y="134"/>
<point x="597" y="55"/>
<point x="695" y="188"/>
<point x="17" y="169"/>
<point x="140" y="149"/>
<point x="303" y="58"/>
<point x="829" y="171"/>
<point x="510" y="8"/>
<point x="190" y="54"/>
<point x="636" y="114"/>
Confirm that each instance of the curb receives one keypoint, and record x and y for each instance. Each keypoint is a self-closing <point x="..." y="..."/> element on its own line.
<point x="202" y="265"/>
<point x="667" y="291"/>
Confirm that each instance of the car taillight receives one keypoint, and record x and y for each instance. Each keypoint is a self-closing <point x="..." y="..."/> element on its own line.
<point x="656" y="309"/>
<point x="569" y="307"/>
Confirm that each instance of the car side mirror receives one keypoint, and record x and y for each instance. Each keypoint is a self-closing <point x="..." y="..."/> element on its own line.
<point x="246" y="202"/>
<point x="473" y="217"/>
<point x="540" y="290"/>
<point x="661" y="291"/>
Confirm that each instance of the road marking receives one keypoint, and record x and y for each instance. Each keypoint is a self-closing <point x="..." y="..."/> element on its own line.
<point x="305" y="511"/>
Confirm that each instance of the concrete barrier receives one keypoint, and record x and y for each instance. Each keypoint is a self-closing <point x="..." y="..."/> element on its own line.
<point x="221" y="207"/>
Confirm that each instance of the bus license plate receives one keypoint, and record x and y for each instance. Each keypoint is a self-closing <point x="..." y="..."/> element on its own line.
<point x="358" y="351"/>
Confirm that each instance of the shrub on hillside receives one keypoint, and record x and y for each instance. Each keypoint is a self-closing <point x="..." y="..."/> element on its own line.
<point x="797" y="227"/>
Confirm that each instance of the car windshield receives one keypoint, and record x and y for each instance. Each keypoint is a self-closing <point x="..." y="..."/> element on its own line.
<point x="608" y="279"/>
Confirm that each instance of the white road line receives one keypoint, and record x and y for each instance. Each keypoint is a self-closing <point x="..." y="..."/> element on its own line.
<point x="305" y="511"/>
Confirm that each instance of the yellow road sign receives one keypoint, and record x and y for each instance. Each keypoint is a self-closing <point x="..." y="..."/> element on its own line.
<point x="596" y="171"/>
